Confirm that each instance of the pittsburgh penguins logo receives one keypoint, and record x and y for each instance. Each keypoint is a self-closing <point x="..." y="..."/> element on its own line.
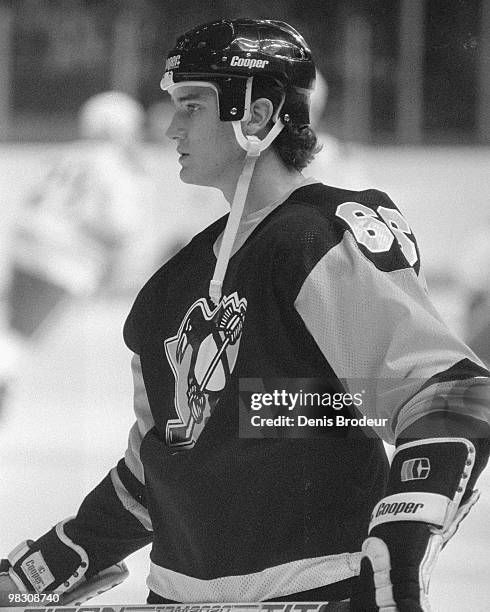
<point x="202" y="356"/>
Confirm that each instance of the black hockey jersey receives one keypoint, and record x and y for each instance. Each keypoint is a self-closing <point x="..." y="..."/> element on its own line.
<point x="327" y="286"/>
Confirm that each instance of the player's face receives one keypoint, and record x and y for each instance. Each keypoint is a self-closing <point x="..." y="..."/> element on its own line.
<point x="209" y="152"/>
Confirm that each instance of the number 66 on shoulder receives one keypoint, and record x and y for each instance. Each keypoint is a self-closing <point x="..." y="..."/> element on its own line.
<point x="377" y="229"/>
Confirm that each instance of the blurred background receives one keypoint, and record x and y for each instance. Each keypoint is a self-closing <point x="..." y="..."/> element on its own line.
<point x="91" y="204"/>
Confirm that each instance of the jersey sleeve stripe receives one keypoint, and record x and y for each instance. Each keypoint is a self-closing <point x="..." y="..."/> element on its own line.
<point x="133" y="486"/>
<point x="469" y="397"/>
<point x="140" y="399"/>
<point x="398" y="337"/>
<point x="129" y="502"/>
<point x="132" y="455"/>
<point x="144" y="421"/>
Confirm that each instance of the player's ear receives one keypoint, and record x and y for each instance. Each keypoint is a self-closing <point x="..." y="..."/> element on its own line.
<point x="261" y="111"/>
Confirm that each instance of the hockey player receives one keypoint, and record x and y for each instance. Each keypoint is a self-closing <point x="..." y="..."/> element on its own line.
<point x="79" y="228"/>
<point x="301" y="280"/>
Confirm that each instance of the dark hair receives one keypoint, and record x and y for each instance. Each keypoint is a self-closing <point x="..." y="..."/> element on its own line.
<point x="297" y="143"/>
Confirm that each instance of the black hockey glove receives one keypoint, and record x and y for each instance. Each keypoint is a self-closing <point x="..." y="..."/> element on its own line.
<point x="429" y="493"/>
<point x="52" y="571"/>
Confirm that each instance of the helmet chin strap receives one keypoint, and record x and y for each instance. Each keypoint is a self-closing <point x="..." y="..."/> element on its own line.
<point x="254" y="147"/>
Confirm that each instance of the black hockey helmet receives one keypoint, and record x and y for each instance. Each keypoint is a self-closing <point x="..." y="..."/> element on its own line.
<point x="229" y="52"/>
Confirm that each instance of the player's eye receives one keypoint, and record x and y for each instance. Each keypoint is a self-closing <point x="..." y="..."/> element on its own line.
<point x="190" y="108"/>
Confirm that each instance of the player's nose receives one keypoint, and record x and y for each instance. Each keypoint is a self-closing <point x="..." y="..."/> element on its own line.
<point x="176" y="128"/>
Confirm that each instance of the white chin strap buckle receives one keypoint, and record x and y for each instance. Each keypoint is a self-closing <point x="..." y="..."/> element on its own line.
<point x="253" y="145"/>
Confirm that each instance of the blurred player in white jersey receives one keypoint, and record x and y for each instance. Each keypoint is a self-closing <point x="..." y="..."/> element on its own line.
<point x="86" y="227"/>
<point x="301" y="284"/>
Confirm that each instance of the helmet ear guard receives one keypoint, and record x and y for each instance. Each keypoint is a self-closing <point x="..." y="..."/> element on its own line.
<point x="235" y="99"/>
<point x="251" y="144"/>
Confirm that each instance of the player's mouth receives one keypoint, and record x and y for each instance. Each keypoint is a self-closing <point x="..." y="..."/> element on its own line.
<point x="183" y="156"/>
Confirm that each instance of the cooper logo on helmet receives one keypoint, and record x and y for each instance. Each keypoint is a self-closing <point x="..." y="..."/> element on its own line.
<point x="247" y="62"/>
